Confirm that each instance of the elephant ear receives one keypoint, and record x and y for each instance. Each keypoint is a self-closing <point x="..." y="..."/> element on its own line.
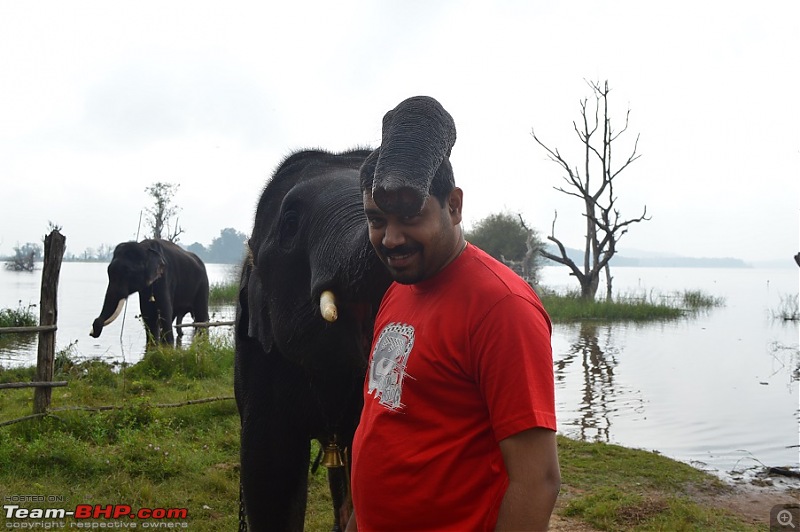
<point x="156" y="264"/>
<point x="253" y="314"/>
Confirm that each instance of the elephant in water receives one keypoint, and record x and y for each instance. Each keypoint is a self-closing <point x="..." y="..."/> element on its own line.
<point x="171" y="283"/>
<point x="310" y="288"/>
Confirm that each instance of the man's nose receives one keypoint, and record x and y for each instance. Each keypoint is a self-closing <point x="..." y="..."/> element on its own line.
<point x="393" y="236"/>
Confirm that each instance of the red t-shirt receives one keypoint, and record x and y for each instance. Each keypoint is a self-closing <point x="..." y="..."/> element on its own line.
<point x="459" y="362"/>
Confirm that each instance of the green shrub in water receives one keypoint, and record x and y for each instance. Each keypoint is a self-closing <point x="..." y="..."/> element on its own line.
<point x="19" y="317"/>
<point x="223" y="293"/>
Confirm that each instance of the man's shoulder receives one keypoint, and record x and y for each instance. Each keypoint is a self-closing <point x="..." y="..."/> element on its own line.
<point x="494" y="281"/>
<point x="494" y="273"/>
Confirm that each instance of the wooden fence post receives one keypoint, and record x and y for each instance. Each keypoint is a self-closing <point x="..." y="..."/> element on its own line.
<point x="54" y="245"/>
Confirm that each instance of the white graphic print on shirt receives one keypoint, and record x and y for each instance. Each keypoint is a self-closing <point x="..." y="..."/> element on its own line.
<point x="388" y="366"/>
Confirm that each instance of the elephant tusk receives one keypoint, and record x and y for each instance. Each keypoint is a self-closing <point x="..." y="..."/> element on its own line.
<point x="116" y="312"/>
<point x="327" y="306"/>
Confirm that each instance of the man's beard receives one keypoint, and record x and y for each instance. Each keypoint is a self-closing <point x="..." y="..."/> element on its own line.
<point x="404" y="276"/>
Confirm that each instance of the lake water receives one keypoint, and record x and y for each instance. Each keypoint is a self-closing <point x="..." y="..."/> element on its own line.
<point x="718" y="390"/>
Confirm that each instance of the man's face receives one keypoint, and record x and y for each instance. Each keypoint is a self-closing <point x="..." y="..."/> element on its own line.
<point x="416" y="246"/>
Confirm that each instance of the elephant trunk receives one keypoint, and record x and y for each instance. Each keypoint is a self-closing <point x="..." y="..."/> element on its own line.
<point x="101" y="321"/>
<point x="417" y="138"/>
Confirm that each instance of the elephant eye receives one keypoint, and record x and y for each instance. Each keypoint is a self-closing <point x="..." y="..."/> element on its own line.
<point x="290" y="224"/>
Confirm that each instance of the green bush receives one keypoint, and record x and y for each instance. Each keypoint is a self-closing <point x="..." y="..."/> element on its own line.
<point x="19" y="317"/>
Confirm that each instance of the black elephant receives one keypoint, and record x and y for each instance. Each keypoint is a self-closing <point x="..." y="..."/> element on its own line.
<point x="171" y="282"/>
<point x="299" y="367"/>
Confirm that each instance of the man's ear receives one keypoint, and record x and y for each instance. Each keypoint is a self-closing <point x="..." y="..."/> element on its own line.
<point x="454" y="202"/>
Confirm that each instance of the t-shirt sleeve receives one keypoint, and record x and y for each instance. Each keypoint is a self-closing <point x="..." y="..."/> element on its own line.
<point x="513" y="362"/>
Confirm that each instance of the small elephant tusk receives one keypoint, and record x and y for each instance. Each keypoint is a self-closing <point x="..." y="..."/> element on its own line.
<point x="116" y="312"/>
<point x="327" y="306"/>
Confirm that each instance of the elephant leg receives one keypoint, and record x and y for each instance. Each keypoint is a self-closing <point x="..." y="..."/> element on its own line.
<point x="274" y="451"/>
<point x="151" y="321"/>
<point x="340" y="494"/>
<point x="200" y="313"/>
<point x="165" y="325"/>
<point x="200" y="308"/>
<point x="178" y="322"/>
<point x="274" y="475"/>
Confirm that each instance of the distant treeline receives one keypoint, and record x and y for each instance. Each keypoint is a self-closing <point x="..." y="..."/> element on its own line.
<point x="678" y="262"/>
<point x="227" y="248"/>
<point x="657" y="262"/>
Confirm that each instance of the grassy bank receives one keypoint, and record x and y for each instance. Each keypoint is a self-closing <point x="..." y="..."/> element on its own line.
<point x="108" y="442"/>
<point x="567" y="307"/>
<point x="132" y="436"/>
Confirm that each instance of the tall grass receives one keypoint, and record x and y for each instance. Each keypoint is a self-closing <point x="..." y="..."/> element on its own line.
<point x="223" y="293"/>
<point x="789" y="308"/>
<point x="570" y="306"/>
<point x="18" y="317"/>
<point x="697" y="300"/>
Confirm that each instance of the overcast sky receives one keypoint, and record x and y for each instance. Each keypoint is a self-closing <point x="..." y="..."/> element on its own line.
<point x="99" y="100"/>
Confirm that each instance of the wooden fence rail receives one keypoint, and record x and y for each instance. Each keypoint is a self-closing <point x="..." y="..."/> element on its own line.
<point x="52" y="384"/>
<point x="35" y="328"/>
<point x="205" y="324"/>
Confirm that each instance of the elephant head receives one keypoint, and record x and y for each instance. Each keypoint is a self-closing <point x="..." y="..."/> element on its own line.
<point x="310" y="242"/>
<point x="134" y="267"/>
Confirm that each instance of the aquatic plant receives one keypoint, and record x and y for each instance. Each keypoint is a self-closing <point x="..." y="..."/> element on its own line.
<point x="19" y="317"/>
<point x="789" y="309"/>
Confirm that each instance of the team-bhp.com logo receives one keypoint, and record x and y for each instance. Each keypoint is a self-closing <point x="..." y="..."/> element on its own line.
<point x="19" y="518"/>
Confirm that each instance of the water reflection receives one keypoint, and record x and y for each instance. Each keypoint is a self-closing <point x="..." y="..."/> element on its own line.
<point x="587" y="367"/>
<point x="16" y="343"/>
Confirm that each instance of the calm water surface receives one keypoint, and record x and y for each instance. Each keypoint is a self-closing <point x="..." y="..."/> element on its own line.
<point x="719" y="390"/>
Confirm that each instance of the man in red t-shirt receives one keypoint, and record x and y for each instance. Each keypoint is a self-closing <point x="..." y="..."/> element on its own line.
<point x="458" y="426"/>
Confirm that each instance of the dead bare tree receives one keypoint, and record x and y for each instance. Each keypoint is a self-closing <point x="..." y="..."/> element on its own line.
<point x="163" y="210"/>
<point x="604" y="224"/>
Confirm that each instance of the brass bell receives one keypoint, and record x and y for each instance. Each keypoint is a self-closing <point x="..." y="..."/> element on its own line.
<point x="332" y="456"/>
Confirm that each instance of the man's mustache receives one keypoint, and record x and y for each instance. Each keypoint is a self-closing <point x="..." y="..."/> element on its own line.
<point x="398" y="251"/>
